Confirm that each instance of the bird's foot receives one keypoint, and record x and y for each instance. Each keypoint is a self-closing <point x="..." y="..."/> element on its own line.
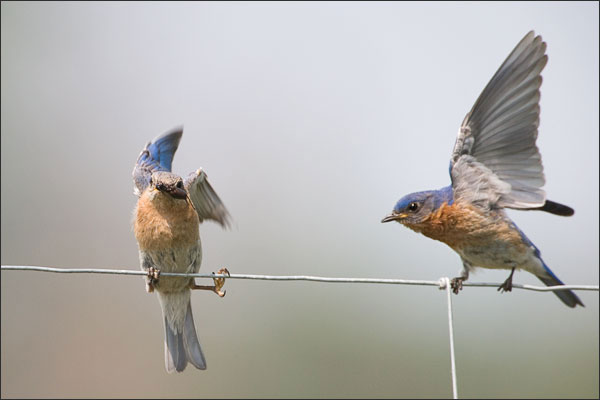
<point x="152" y="278"/>
<point x="219" y="283"/>
<point x="507" y="285"/>
<point x="457" y="284"/>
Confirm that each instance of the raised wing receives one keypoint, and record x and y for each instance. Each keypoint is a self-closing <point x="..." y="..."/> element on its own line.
<point x="156" y="156"/>
<point x="495" y="161"/>
<point x="207" y="203"/>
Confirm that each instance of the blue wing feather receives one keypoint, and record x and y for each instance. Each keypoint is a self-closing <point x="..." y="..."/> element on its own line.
<point x="156" y="156"/>
<point x="162" y="150"/>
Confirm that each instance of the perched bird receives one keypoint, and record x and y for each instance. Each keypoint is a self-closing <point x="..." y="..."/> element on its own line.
<point x="495" y="164"/>
<point x="167" y="216"/>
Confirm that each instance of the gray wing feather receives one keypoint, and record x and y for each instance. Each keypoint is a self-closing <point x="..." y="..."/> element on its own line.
<point x="207" y="203"/>
<point x="496" y="141"/>
<point x="477" y="182"/>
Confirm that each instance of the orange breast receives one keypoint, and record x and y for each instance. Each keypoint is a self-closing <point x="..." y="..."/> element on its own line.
<point x="461" y="226"/>
<point x="162" y="222"/>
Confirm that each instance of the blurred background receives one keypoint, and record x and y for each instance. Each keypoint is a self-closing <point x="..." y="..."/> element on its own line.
<point x="311" y="120"/>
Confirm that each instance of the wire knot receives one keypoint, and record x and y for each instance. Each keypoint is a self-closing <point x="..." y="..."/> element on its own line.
<point x="444" y="282"/>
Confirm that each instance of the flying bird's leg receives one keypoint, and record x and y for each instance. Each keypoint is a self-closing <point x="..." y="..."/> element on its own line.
<point x="152" y="278"/>
<point x="219" y="282"/>
<point x="456" y="283"/>
<point x="507" y="285"/>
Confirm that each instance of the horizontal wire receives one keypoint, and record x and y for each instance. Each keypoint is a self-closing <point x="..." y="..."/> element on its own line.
<point x="440" y="283"/>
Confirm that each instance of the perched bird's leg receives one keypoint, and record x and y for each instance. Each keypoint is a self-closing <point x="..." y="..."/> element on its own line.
<point x="507" y="285"/>
<point x="152" y="278"/>
<point x="457" y="283"/>
<point x="219" y="282"/>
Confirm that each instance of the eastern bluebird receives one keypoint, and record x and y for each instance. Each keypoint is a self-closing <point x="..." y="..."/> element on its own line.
<point x="166" y="221"/>
<point x="495" y="164"/>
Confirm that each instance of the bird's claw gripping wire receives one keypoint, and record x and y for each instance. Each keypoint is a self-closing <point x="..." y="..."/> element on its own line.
<point x="507" y="285"/>
<point x="456" y="284"/>
<point x="219" y="283"/>
<point x="152" y="274"/>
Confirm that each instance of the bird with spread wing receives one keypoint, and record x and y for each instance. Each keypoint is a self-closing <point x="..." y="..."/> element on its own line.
<point x="495" y="164"/>
<point x="167" y="216"/>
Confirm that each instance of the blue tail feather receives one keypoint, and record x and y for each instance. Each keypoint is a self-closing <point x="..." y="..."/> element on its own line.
<point x="566" y="296"/>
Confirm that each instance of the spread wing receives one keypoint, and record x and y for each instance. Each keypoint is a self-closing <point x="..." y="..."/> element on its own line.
<point x="207" y="203"/>
<point x="495" y="161"/>
<point x="156" y="156"/>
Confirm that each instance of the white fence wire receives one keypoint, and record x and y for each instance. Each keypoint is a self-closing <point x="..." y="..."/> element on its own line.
<point x="442" y="283"/>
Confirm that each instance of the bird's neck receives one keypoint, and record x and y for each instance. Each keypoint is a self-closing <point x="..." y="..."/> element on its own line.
<point x="450" y="224"/>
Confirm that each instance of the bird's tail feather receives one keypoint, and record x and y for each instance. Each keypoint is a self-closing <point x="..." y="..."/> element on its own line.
<point x="181" y="341"/>
<point x="566" y="296"/>
<point x="190" y="341"/>
<point x="175" y="357"/>
<point x="555" y="208"/>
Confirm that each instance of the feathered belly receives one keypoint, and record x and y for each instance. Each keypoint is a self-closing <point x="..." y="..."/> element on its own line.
<point x="497" y="255"/>
<point x="484" y="240"/>
<point x="169" y="240"/>
<point x="181" y="260"/>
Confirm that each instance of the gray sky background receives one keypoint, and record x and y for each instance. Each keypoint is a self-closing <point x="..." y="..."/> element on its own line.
<point x="311" y="120"/>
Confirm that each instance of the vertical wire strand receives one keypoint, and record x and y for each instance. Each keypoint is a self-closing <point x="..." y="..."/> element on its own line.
<point x="451" y="332"/>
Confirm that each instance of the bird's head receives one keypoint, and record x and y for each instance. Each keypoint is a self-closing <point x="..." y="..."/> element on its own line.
<point x="412" y="208"/>
<point x="415" y="208"/>
<point x="168" y="183"/>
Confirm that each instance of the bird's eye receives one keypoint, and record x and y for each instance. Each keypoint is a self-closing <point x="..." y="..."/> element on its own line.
<point x="413" y="206"/>
<point x="180" y="184"/>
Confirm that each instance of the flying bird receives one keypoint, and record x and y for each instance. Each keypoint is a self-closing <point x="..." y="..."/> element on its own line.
<point x="495" y="164"/>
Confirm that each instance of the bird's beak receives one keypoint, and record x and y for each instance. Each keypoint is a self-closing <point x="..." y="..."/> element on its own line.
<point x="392" y="217"/>
<point x="178" y="193"/>
<point x="174" y="192"/>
